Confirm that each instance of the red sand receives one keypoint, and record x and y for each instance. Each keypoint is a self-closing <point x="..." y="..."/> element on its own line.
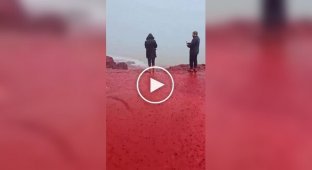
<point x="259" y="111"/>
<point x="52" y="103"/>
<point x="145" y="136"/>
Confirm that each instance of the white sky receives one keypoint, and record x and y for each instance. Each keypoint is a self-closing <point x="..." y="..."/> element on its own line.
<point x="217" y="10"/>
<point x="84" y="11"/>
<point x="171" y="22"/>
<point x="225" y="10"/>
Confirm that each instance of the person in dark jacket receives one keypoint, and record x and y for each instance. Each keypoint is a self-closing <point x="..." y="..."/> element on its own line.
<point x="194" y="50"/>
<point x="151" y="46"/>
<point x="274" y="14"/>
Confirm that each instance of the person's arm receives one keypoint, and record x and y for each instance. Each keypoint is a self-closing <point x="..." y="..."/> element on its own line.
<point x="188" y="44"/>
<point x="145" y="44"/>
<point x="193" y="43"/>
<point x="155" y="44"/>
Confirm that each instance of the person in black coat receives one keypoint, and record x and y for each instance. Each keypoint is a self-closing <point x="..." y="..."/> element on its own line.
<point x="194" y="50"/>
<point x="274" y="13"/>
<point x="151" y="46"/>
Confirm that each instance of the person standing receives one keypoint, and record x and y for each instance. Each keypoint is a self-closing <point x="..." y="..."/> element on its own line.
<point x="151" y="46"/>
<point x="194" y="50"/>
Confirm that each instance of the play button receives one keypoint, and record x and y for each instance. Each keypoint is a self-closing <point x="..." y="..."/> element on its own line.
<point x="155" y="87"/>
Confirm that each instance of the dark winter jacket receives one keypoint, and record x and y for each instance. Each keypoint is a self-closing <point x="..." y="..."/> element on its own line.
<point x="194" y="46"/>
<point x="150" y="45"/>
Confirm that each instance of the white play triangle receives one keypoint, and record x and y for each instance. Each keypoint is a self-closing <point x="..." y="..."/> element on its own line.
<point x="155" y="85"/>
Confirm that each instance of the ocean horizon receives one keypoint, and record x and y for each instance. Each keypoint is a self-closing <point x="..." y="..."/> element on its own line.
<point x="142" y="63"/>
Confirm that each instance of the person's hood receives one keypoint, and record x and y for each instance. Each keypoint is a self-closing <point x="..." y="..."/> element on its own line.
<point x="150" y="37"/>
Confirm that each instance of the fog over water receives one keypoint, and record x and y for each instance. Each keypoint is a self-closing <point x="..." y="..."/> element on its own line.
<point x="220" y="11"/>
<point x="171" y="22"/>
<point x="82" y="12"/>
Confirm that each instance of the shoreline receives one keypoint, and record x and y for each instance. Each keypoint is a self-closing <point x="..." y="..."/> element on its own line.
<point x="113" y="64"/>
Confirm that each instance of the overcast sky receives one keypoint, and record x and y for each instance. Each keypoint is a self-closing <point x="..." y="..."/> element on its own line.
<point x="170" y="21"/>
<point x="217" y="10"/>
<point x="225" y="10"/>
<point x="83" y="11"/>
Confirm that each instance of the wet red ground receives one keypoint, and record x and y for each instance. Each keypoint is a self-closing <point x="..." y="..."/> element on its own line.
<point x="259" y="111"/>
<point x="145" y="136"/>
<point x="52" y="103"/>
<point x="257" y="108"/>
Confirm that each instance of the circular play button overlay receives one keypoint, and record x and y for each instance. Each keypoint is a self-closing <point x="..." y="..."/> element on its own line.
<point x="155" y="85"/>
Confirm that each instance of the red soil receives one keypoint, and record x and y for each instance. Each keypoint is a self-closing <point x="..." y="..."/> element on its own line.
<point x="259" y="112"/>
<point x="258" y="108"/>
<point x="52" y="103"/>
<point x="145" y="136"/>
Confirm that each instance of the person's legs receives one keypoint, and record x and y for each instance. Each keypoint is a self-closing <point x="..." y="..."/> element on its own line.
<point x="149" y="60"/>
<point x="191" y="62"/>
<point x="153" y="64"/>
<point x="195" y="61"/>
